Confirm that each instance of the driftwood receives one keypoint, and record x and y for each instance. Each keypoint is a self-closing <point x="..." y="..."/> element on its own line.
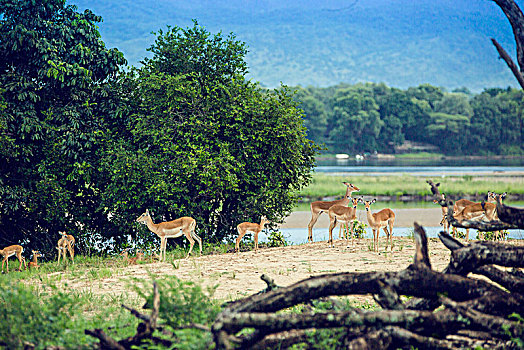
<point x="516" y="19"/>
<point x="144" y="332"/>
<point x="474" y="312"/>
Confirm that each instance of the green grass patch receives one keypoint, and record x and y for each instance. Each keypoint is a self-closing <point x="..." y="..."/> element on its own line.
<point x="323" y="185"/>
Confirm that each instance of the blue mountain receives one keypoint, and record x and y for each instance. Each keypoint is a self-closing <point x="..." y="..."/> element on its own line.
<point x="402" y="43"/>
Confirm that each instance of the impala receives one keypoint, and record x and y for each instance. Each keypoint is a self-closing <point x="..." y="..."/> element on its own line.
<point x="15" y="250"/>
<point x="172" y="229"/>
<point x="319" y="207"/>
<point x="66" y="244"/>
<point x="478" y="210"/>
<point x="340" y="213"/>
<point x="251" y="227"/>
<point x="381" y="219"/>
<point x="34" y="263"/>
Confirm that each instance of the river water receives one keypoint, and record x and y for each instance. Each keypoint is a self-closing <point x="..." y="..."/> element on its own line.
<point x="444" y="166"/>
<point x="435" y="166"/>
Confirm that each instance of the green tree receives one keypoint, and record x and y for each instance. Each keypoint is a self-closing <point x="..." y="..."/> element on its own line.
<point x="205" y="142"/>
<point x="55" y="82"/>
<point x="355" y="123"/>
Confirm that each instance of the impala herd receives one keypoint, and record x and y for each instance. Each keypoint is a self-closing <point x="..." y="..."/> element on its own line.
<point x="342" y="211"/>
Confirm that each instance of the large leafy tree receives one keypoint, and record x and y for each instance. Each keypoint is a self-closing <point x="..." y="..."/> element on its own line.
<point x="205" y="142"/>
<point x="55" y="86"/>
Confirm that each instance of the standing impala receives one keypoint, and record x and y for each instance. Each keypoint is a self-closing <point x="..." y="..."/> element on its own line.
<point x="254" y="228"/>
<point x="172" y="229"/>
<point x="381" y="219"/>
<point x="66" y="244"/>
<point x="7" y="252"/>
<point x="342" y="214"/>
<point x="319" y="207"/>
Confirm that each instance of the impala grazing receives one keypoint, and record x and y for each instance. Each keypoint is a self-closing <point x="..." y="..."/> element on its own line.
<point x="172" y="229"/>
<point x="381" y="219"/>
<point x="344" y="215"/>
<point x="15" y="250"/>
<point x="319" y="207"/>
<point x="66" y="244"/>
<point x="34" y="263"/>
<point x="254" y="228"/>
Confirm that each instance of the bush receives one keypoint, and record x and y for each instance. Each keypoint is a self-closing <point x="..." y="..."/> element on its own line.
<point x="27" y="319"/>
<point x="276" y="239"/>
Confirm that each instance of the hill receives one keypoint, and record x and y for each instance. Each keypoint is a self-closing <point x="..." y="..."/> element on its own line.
<point x="398" y="42"/>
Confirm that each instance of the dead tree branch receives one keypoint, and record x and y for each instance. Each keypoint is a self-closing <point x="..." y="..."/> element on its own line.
<point x="487" y="305"/>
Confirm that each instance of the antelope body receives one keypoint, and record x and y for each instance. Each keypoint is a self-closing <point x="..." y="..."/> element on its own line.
<point x="319" y="207"/>
<point x="251" y="227"/>
<point x="343" y="214"/>
<point x="172" y="229"/>
<point x="381" y="219"/>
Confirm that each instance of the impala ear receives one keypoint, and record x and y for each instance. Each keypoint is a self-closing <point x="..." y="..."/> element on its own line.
<point x="437" y="185"/>
<point x="374" y="200"/>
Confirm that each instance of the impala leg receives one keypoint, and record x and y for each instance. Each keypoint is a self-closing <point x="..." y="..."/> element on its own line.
<point x="191" y="244"/>
<point x="387" y="237"/>
<point x="332" y="225"/>
<point x="198" y="239"/>
<point x="3" y="261"/>
<point x="163" y="249"/>
<point x="314" y="218"/>
<point x="256" y="240"/>
<point x="351" y="235"/>
<point x="391" y="234"/>
<point x="239" y="238"/>
<point x="467" y="234"/>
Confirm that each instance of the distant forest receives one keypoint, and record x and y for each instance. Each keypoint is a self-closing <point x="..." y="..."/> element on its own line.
<point x="370" y="117"/>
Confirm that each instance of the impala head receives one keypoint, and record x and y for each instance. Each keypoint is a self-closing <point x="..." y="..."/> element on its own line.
<point x="356" y="200"/>
<point x="124" y="252"/>
<point x="368" y="203"/>
<point x="36" y="253"/>
<point x="143" y="218"/>
<point x="351" y="187"/>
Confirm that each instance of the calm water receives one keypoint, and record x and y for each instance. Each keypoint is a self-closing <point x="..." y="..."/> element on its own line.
<point x="434" y="165"/>
<point x="299" y="235"/>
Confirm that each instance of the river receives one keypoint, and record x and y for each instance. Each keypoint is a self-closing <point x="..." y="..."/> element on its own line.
<point x="424" y="166"/>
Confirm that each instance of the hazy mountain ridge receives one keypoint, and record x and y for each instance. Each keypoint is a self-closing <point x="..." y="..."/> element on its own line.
<point x="400" y="43"/>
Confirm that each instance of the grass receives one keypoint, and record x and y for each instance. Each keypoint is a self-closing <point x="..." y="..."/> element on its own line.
<point x="324" y="185"/>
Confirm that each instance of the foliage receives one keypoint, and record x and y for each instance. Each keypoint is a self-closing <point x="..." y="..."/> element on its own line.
<point x="55" y="103"/>
<point x="490" y="235"/>
<point x="371" y="117"/>
<point x="359" y="228"/>
<point x="183" y="303"/>
<point x="276" y="239"/>
<point x="205" y="142"/>
<point x="48" y="316"/>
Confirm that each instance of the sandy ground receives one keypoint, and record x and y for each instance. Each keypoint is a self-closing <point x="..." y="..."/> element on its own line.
<point x="238" y="275"/>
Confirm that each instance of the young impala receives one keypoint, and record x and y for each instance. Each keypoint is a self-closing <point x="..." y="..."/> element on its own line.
<point x="66" y="244"/>
<point x="15" y="250"/>
<point x="34" y="264"/>
<point x="381" y="219"/>
<point x="340" y="213"/>
<point x="254" y="228"/>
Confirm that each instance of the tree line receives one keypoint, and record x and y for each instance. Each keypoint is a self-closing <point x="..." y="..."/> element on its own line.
<point x="369" y="117"/>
